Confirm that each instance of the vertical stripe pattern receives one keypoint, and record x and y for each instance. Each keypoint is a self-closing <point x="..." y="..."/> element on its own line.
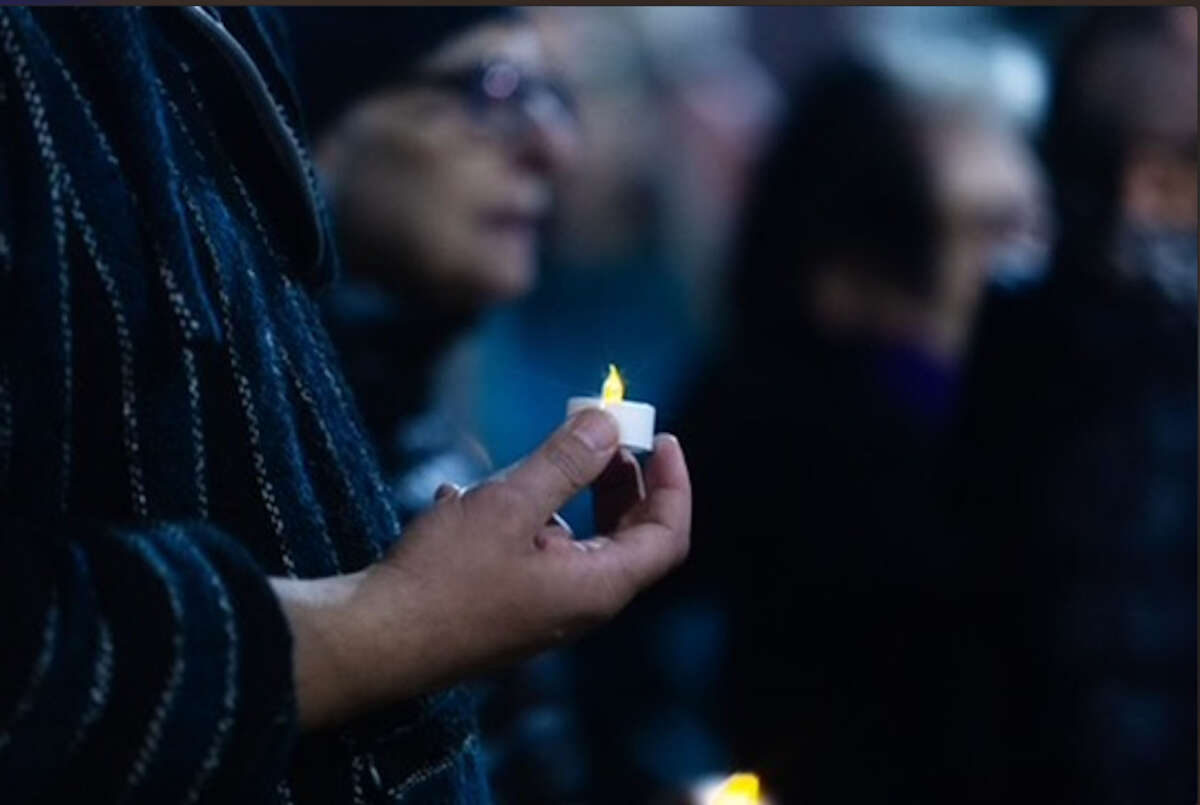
<point x="172" y="425"/>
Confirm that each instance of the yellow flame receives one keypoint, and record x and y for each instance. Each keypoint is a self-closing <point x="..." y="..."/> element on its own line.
<point x="613" y="389"/>
<point x="738" y="789"/>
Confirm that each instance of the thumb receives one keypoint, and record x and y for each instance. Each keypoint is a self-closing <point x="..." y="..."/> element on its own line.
<point x="564" y="464"/>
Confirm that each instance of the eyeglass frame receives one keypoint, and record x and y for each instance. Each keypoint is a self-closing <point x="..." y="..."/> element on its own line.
<point x="470" y="84"/>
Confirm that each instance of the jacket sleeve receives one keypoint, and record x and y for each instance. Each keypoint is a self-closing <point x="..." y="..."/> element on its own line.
<point x="138" y="663"/>
<point x="153" y="662"/>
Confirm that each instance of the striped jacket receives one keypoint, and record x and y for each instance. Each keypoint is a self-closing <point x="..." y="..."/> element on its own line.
<point x="173" y="428"/>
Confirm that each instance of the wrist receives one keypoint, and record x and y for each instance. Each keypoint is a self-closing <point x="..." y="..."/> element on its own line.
<point x="328" y="653"/>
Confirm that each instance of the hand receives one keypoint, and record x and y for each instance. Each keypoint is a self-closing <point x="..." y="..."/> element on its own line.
<point x="482" y="579"/>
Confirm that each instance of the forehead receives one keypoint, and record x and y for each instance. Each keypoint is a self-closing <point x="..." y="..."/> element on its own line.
<point x="513" y="40"/>
<point x="978" y="160"/>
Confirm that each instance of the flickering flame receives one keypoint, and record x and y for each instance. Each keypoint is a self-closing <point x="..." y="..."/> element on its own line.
<point x="738" y="789"/>
<point x="613" y="390"/>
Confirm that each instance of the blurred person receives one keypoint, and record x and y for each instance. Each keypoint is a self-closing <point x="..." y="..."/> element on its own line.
<point x="437" y="143"/>
<point x="1079" y="440"/>
<point x="994" y="219"/>
<point x="863" y="251"/>
<point x="608" y="291"/>
<point x="607" y="199"/>
<point x="671" y="107"/>
<point x="207" y="598"/>
<point x="718" y="104"/>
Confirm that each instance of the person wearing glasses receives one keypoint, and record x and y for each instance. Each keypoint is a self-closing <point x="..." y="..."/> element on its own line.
<point x="207" y="596"/>
<point x="437" y="135"/>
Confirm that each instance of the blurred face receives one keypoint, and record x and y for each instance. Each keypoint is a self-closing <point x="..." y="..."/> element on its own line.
<point x="602" y="207"/>
<point x="441" y="183"/>
<point x="992" y="203"/>
<point x="1159" y="187"/>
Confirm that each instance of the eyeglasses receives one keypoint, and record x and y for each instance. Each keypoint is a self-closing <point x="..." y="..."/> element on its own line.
<point x="505" y="100"/>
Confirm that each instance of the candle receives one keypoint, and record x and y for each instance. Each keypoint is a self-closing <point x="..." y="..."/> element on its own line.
<point x="635" y="419"/>
<point x="739" y="789"/>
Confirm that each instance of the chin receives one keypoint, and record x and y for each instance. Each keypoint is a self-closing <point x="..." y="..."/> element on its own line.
<point x="508" y="271"/>
<point x="513" y="283"/>
<point x="497" y="286"/>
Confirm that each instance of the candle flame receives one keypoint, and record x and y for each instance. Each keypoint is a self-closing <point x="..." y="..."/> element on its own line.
<point x="738" y="789"/>
<point x="613" y="390"/>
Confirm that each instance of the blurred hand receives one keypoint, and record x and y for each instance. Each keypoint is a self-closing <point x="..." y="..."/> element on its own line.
<point x="483" y="578"/>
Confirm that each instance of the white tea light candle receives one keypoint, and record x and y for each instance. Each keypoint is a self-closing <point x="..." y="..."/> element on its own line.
<point x="635" y="419"/>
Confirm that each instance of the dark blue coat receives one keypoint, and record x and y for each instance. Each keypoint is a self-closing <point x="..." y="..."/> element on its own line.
<point x="173" y="428"/>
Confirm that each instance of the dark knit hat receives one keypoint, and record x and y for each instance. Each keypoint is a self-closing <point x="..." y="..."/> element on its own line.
<point x="344" y="53"/>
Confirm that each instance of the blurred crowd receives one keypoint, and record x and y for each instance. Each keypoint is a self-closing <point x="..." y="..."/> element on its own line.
<point x="917" y="289"/>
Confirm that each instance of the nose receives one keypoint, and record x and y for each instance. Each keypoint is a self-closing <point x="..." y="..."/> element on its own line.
<point x="550" y="139"/>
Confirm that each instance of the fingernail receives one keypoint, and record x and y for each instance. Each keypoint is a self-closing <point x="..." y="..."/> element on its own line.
<point x="596" y="429"/>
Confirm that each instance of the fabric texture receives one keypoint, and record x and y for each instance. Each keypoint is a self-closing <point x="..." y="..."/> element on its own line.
<point x="173" y="428"/>
<point x="392" y="352"/>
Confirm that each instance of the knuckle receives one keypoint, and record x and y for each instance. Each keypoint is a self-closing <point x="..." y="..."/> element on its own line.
<point x="566" y="456"/>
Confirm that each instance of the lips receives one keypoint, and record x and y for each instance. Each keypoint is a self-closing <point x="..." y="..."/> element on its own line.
<point x="513" y="221"/>
<point x="522" y="211"/>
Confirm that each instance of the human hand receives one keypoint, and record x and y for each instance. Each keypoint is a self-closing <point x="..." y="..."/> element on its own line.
<point x="483" y="579"/>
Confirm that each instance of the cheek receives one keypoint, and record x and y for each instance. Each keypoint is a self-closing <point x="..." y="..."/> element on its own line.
<point x="1184" y="199"/>
<point x="962" y="261"/>
<point x="1161" y="191"/>
<point x="466" y="191"/>
<point x="384" y="209"/>
<point x="426" y="205"/>
<point x="406" y="207"/>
